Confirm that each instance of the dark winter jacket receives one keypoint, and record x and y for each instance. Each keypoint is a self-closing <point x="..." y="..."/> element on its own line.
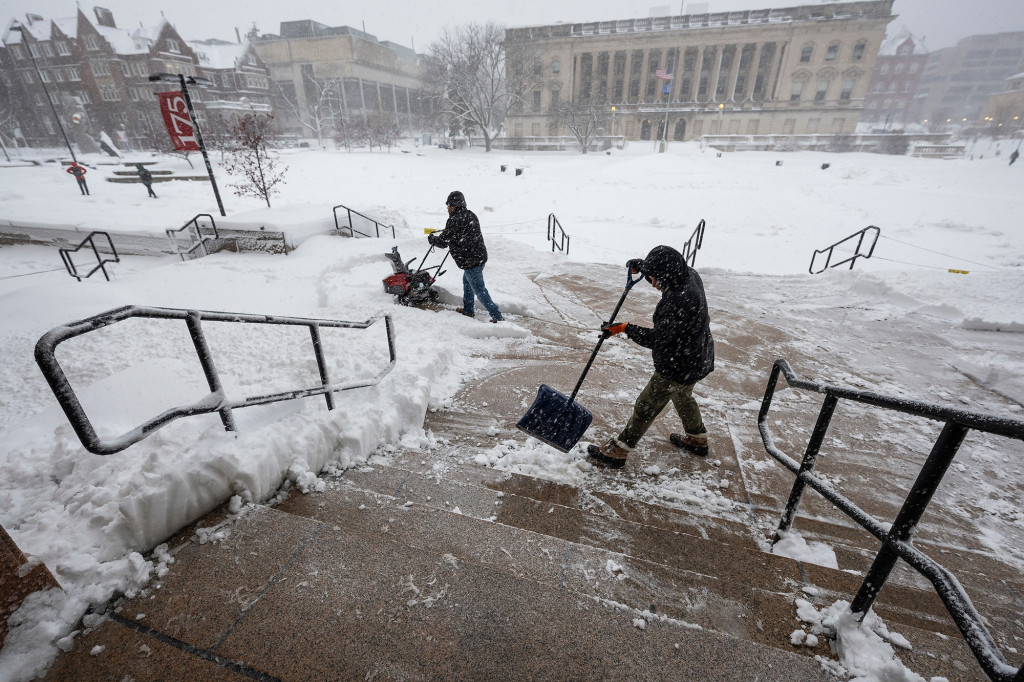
<point x="681" y="341"/>
<point x="462" y="236"/>
<point x="145" y="176"/>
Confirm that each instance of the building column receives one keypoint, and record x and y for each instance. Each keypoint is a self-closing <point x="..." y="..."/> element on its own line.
<point x="716" y="72"/>
<point x="748" y="95"/>
<point x="734" y="73"/>
<point x="776" y="69"/>
<point x="698" y="69"/>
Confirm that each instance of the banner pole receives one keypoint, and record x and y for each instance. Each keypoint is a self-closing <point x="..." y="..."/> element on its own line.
<point x="199" y="139"/>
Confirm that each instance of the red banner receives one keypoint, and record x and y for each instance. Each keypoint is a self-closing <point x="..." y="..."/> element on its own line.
<point x="179" y="124"/>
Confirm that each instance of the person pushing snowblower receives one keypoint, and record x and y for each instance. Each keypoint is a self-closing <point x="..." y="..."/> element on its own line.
<point x="464" y="240"/>
<point x="683" y="351"/>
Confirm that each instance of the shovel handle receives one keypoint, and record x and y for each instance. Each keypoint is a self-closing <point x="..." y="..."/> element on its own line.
<point x="630" y="281"/>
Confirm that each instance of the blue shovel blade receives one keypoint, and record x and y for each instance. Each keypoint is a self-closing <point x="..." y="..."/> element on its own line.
<point x="555" y="419"/>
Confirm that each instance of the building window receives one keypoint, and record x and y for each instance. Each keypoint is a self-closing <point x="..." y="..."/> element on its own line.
<point x="225" y="80"/>
<point x="172" y="45"/>
<point x="108" y="93"/>
<point x="134" y="94"/>
<point x="536" y="100"/>
<point x="831" y="53"/>
<point x="17" y="52"/>
<point x="805" y="54"/>
<point x="47" y="50"/>
<point x="140" y="69"/>
<point x="858" y="52"/>
<point x="85" y="97"/>
<point x="90" y="42"/>
<point x="556" y="66"/>
<point x="538" y="68"/>
<point x="555" y="99"/>
<point x="72" y="72"/>
<point x="44" y="75"/>
<point x="62" y="48"/>
<point x="907" y="86"/>
<point x="27" y="76"/>
<point x="58" y="75"/>
<point x="126" y="69"/>
<point x="100" y="67"/>
<point x="898" y="69"/>
<point x="33" y="50"/>
<point x="819" y="95"/>
<point x="252" y="60"/>
<point x="847" y="91"/>
<point x="797" y="91"/>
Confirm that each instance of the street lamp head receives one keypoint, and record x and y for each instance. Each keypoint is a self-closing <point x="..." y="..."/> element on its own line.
<point x="721" y="106"/>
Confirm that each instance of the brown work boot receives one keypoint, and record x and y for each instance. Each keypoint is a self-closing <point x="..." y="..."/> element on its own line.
<point x="612" y="454"/>
<point x="697" y="443"/>
<point x="462" y="311"/>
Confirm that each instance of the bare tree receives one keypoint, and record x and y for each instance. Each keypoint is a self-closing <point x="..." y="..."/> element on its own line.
<point x="384" y="131"/>
<point x="586" y="120"/>
<point x="474" y="78"/>
<point x="251" y="159"/>
<point x="317" y="112"/>
<point x="156" y="138"/>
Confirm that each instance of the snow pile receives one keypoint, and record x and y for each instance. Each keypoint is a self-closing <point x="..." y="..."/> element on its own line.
<point x="865" y="648"/>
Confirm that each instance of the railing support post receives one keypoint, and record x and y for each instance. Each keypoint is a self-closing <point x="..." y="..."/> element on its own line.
<point x="810" y="456"/>
<point x="914" y="506"/>
<point x="321" y="363"/>
<point x="195" y="330"/>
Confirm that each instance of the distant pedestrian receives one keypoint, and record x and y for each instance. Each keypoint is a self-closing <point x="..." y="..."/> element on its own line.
<point x="683" y="352"/>
<point x="147" y="179"/>
<point x="1013" y="156"/>
<point x="462" y="236"/>
<point x="79" y="173"/>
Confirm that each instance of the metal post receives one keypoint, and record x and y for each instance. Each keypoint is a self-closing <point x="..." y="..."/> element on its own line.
<point x="195" y="330"/>
<point x="920" y="495"/>
<point x="199" y="139"/>
<point x="810" y="455"/>
<point x="53" y="107"/>
<point x="321" y="363"/>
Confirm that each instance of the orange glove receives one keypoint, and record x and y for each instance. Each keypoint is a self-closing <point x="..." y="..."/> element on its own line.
<point x="614" y="328"/>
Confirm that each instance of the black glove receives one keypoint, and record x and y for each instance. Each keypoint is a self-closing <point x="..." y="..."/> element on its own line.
<point x="635" y="265"/>
<point x="430" y="239"/>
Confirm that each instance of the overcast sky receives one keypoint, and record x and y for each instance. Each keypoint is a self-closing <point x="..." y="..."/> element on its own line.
<point x="407" y="22"/>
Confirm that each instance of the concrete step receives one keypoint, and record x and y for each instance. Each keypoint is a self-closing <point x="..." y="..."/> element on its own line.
<point x="378" y="592"/>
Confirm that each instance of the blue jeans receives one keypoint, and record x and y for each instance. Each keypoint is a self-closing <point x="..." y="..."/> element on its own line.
<point x="473" y="283"/>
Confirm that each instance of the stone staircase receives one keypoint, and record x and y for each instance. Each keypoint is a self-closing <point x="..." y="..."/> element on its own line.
<point x="422" y="564"/>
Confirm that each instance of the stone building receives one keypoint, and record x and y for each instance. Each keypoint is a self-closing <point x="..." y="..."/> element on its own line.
<point x="323" y="76"/>
<point x="97" y="76"/>
<point x="796" y="70"/>
<point x="958" y="80"/>
<point x="901" y="62"/>
<point x="1004" y="111"/>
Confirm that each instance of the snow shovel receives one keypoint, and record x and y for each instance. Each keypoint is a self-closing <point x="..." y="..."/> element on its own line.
<point x="559" y="421"/>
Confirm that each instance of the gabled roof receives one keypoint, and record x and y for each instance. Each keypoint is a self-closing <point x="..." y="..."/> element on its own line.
<point x="891" y="45"/>
<point x="219" y="54"/>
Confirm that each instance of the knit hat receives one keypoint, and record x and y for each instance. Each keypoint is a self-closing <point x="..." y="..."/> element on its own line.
<point x="455" y="199"/>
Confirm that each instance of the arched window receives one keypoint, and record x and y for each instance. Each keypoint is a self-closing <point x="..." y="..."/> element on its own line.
<point x="645" y="130"/>
<point x="680" y="132"/>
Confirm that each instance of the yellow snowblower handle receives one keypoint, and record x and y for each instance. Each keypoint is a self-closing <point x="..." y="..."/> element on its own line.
<point x="429" y="230"/>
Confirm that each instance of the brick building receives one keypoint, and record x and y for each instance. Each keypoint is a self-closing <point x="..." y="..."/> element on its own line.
<point x="97" y="76"/>
<point x="901" y="62"/>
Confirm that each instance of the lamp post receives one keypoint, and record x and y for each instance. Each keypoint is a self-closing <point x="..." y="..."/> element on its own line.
<point x="721" y="107"/>
<point x="613" y="124"/>
<point x="185" y="82"/>
<point x="53" y="107"/>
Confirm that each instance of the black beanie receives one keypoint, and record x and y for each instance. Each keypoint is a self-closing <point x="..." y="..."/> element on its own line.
<point x="455" y="199"/>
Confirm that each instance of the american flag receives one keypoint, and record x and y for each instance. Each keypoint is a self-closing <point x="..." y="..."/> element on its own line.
<point x="663" y="75"/>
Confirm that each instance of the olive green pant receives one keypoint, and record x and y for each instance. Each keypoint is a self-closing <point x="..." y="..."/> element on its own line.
<point x="653" y="399"/>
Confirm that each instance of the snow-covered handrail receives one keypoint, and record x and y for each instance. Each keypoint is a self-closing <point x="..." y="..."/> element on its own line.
<point x="65" y="256"/>
<point x="896" y="539"/>
<point x="216" y="400"/>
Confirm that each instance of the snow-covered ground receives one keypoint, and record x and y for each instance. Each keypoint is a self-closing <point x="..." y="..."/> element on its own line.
<point x="91" y="518"/>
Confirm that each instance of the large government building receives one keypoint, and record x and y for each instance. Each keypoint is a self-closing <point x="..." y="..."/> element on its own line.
<point x="796" y="70"/>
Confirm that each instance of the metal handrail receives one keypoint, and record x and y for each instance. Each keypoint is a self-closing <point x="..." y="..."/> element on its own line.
<point x="216" y="400"/>
<point x="352" y="232"/>
<point x="857" y="253"/>
<point x="195" y="233"/>
<point x="65" y="256"/>
<point x="693" y="244"/>
<point x="563" y="243"/>
<point x="897" y="538"/>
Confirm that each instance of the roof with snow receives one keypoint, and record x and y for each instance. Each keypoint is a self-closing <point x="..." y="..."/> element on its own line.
<point x="890" y="48"/>
<point x="218" y="54"/>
